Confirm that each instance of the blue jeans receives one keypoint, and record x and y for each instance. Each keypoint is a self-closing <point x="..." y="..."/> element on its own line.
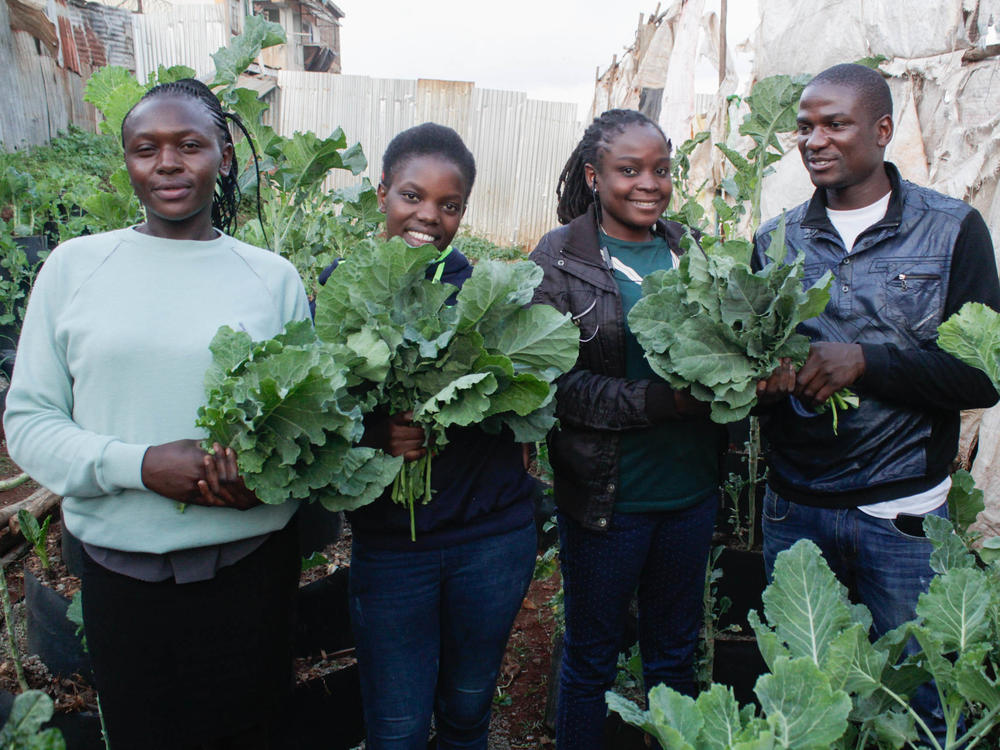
<point x="664" y="555"/>
<point x="431" y="628"/>
<point x="882" y="567"/>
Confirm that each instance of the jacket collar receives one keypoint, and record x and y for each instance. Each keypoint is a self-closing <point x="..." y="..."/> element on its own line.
<point x="582" y="240"/>
<point x="816" y="216"/>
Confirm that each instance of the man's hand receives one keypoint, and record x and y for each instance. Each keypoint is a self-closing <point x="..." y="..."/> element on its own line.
<point x="830" y="367"/>
<point x="779" y="384"/>
<point x="689" y="407"/>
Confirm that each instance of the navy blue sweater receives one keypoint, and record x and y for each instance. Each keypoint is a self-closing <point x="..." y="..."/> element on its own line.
<point x="480" y="487"/>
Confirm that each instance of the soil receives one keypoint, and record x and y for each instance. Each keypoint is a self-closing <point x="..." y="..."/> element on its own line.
<point x="9" y="469"/>
<point x="519" y="705"/>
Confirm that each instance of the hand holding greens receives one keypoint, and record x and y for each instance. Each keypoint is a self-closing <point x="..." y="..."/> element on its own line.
<point x="487" y="359"/>
<point x="386" y="341"/>
<point x="716" y="326"/>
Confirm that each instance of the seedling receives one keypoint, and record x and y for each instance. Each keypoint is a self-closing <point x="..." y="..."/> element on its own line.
<point x="36" y="535"/>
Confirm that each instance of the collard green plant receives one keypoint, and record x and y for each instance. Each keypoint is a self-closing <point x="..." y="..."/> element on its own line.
<point x="283" y="406"/>
<point x="487" y="359"/>
<point x="23" y="730"/>
<point x="830" y="687"/>
<point x="36" y="534"/>
<point x="773" y="104"/>
<point x="973" y="336"/>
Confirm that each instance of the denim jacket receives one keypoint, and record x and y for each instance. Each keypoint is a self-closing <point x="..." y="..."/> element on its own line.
<point x="907" y="273"/>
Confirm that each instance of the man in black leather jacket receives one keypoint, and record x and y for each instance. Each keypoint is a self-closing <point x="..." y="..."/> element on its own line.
<point x="903" y="259"/>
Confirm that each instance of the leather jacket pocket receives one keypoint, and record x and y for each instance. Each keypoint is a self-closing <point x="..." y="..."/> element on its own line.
<point x="914" y="297"/>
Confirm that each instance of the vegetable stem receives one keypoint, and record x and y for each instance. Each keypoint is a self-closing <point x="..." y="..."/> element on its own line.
<point x="12" y="482"/>
<point x="8" y="616"/>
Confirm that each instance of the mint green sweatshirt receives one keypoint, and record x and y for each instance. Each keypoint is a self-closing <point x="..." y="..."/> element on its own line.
<point x="111" y="361"/>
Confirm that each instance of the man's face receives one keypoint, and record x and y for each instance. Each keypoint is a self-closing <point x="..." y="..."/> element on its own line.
<point x="842" y="144"/>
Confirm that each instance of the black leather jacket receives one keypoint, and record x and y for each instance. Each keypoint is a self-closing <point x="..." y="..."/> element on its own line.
<point x="595" y="403"/>
<point x="907" y="273"/>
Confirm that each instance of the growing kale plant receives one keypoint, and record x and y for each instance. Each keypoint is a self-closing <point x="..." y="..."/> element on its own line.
<point x="829" y="686"/>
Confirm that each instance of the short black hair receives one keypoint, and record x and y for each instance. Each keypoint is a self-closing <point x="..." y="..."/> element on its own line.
<point x="429" y="139"/>
<point x="867" y="83"/>
<point x="571" y="191"/>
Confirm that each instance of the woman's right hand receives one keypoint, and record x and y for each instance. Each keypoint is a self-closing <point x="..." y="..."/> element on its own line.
<point x="397" y="436"/>
<point x="179" y="470"/>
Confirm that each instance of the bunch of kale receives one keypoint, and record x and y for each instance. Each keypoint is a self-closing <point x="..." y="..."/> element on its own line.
<point x="386" y="340"/>
<point x="715" y="326"/>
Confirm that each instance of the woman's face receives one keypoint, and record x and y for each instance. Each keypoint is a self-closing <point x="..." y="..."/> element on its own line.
<point x="424" y="202"/>
<point x="633" y="182"/>
<point x="174" y="153"/>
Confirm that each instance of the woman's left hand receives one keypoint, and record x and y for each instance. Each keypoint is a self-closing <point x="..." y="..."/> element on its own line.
<point x="223" y="486"/>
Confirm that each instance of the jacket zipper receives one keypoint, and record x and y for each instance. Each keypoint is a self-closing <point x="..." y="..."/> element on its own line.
<point x="904" y="277"/>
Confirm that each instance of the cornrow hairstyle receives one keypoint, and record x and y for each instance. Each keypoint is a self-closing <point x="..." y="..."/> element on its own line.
<point x="869" y="85"/>
<point x="572" y="191"/>
<point x="429" y="139"/>
<point x="226" y="201"/>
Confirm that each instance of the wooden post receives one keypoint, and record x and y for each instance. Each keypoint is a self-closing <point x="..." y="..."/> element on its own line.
<point x="722" y="40"/>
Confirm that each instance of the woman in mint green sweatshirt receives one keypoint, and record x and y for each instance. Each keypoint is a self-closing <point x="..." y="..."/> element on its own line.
<point x="188" y="615"/>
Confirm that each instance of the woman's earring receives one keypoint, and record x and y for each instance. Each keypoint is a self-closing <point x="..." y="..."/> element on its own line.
<point x="593" y="191"/>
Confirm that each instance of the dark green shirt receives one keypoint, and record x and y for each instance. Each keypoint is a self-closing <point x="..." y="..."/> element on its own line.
<point x="671" y="465"/>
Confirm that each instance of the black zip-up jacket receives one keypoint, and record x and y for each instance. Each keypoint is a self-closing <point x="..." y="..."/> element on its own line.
<point x="595" y="402"/>
<point x="907" y="273"/>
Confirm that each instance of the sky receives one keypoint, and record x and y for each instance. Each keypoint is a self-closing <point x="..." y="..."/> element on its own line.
<point x="550" y="49"/>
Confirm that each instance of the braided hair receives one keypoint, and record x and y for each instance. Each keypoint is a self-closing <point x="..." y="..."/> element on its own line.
<point x="572" y="191"/>
<point x="226" y="201"/>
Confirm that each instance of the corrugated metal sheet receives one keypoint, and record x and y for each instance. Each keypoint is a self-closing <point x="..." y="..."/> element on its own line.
<point x="182" y="35"/>
<point x="520" y="144"/>
<point x="44" y="84"/>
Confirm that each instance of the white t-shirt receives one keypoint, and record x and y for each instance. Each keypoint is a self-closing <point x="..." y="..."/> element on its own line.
<point x="849" y="224"/>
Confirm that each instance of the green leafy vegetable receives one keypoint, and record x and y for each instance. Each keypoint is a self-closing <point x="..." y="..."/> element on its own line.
<point x="973" y="336"/>
<point x="840" y="401"/>
<point x="35" y="534"/>
<point x="258" y="33"/>
<point x="714" y="325"/>
<point x="283" y="406"/>
<point x="486" y="359"/>
<point x="829" y="686"/>
<point x="23" y="729"/>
